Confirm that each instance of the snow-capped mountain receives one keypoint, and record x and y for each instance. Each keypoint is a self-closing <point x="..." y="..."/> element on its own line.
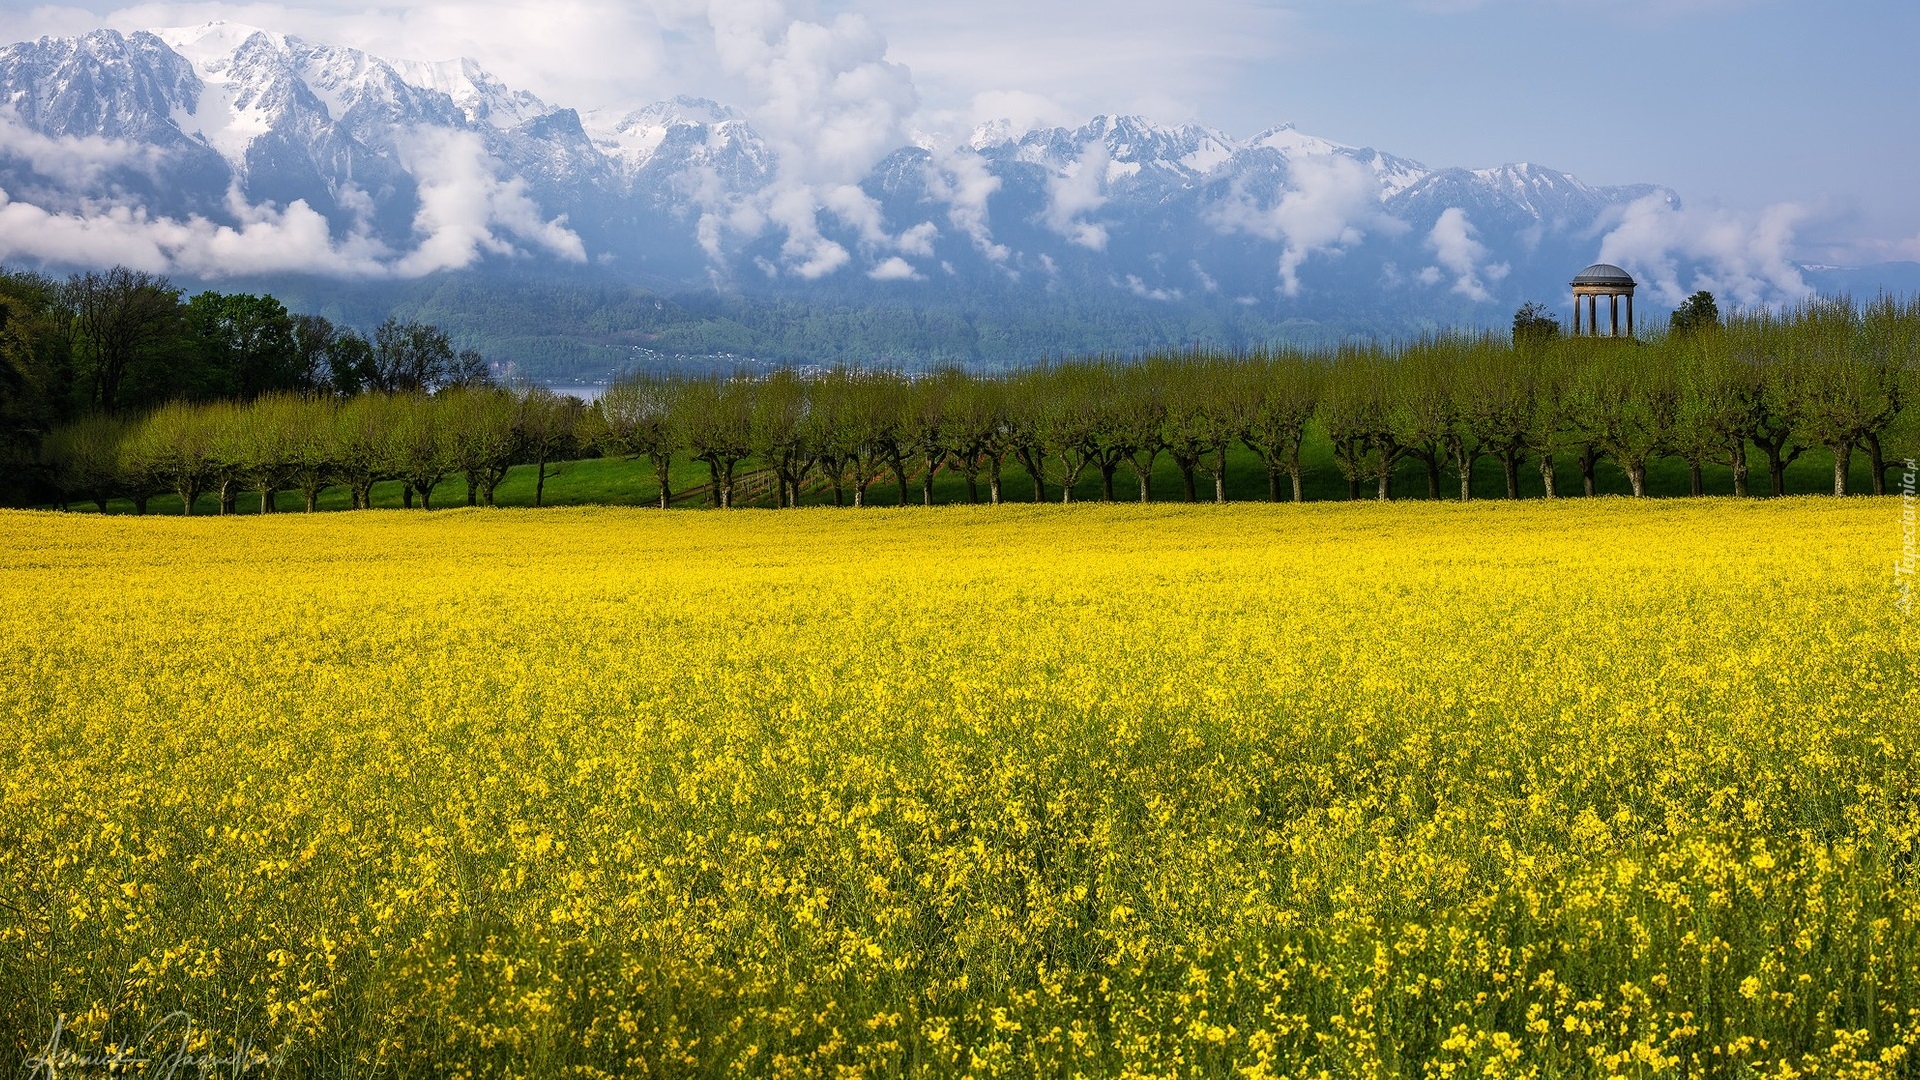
<point x="224" y="150"/>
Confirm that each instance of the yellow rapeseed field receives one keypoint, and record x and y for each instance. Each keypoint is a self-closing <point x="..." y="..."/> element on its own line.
<point x="1589" y="788"/>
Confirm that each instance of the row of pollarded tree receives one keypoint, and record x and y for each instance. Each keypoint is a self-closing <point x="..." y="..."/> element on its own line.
<point x="1827" y="374"/>
<point x="288" y="442"/>
<point x="1761" y="386"/>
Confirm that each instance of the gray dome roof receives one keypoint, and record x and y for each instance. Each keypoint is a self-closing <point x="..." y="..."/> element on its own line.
<point x="1603" y="274"/>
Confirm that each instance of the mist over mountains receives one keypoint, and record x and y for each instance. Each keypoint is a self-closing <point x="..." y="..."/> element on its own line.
<point x="572" y="242"/>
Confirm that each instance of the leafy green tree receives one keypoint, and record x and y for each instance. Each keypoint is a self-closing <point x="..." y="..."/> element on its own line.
<point x="1493" y="407"/>
<point x="1424" y="410"/>
<point x="1625" y="400"/>
<point x="1027" y="404"/>
<point x="1354" y="413"/>
<point x="781" y="437"/>
<point x="269" y="430"/>
<point x="1138" y="421"/>
<point x="716" y="427"/>
<point x="410" y="357"/>
<point x="1891" y="332"/>
<point x="1198" y="424"/>
<point x="547" y="423"/>
<point x="1844" y="385"/>
<point x="481" y="431"/>
<point x="350" y="364"/>
<point x="1068" y="422"/>
<point x="1283" y="390"/>
<point x="144" y="466"/>
<point x="84" y="458"/>
<point x="1717" y="406"/>
<point x="313" y="452"/>
<point x="1697" y="312"/>
<point x="1548" y="420"/>
<point x="36" y="365"/>
<point x="421" y="447"/>
<point x="122" y="318"/>
<point x="923" y="424"/>
<point x="179" y="445"/>
<point x="313" y="340"/>
<point x="635" y="418"/>
<point x="974" y="434"/>
<point x="364" y="433"/>
<point x="247" y="346"/>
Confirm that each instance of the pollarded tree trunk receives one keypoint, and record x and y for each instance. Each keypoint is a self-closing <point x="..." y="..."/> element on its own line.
<point x="1842" y="463"/>
<point x="187" y="497"/>
<point x="1273" y="483"/>
<point x="473" y="491"/>
<point x="1386" y="483"/>
<point x="1299" y="495"/>
<point x="1546" y="474"/>
<point x="1637" y="476"/>
<point x="1695" y="486"/>
<point x="1433" y="476"/>
<point x="1589" y="457"/>
<point x="1106" y="480"/>
<point x="1353" y="489"/>
<point x="140" y="505"/>
<point x="663" y="476"/>
<point x="406" y="495"/>
<point x="1737" y="461"/>
<point x="229" y="494"/>
<point x="900" y="477"/>
<point x="1877" y="460"/>
<point x="1510" y="465"/>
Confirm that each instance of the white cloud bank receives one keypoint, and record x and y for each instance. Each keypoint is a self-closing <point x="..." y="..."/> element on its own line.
<point x="1330" y="204"/>
<point x="467" y="210"/>
<point x="831" y="106"/>
<point x="1742" y="257"/>
<point x="1457" y="248"/>
<point x="1078" y="190"/>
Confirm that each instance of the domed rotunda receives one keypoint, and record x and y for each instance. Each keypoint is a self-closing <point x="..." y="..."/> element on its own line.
<point x="1596" y="281"/>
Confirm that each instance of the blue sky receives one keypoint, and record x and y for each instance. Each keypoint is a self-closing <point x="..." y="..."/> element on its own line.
<point x="1740" y="105"/>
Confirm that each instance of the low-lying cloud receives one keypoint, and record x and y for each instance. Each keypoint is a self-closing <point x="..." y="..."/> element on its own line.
<point x="1675" y="251"/>
<point x="467" y="210"/>
<point x="1329" y="205"/>
<point x="1457" y="248"/>
<point x="1077" y="190"/>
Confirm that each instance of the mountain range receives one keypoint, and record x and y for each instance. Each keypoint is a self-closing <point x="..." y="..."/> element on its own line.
<point x="571" y="243"/>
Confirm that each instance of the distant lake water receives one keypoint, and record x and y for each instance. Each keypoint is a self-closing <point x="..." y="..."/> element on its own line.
<point x="585" y="392"/>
